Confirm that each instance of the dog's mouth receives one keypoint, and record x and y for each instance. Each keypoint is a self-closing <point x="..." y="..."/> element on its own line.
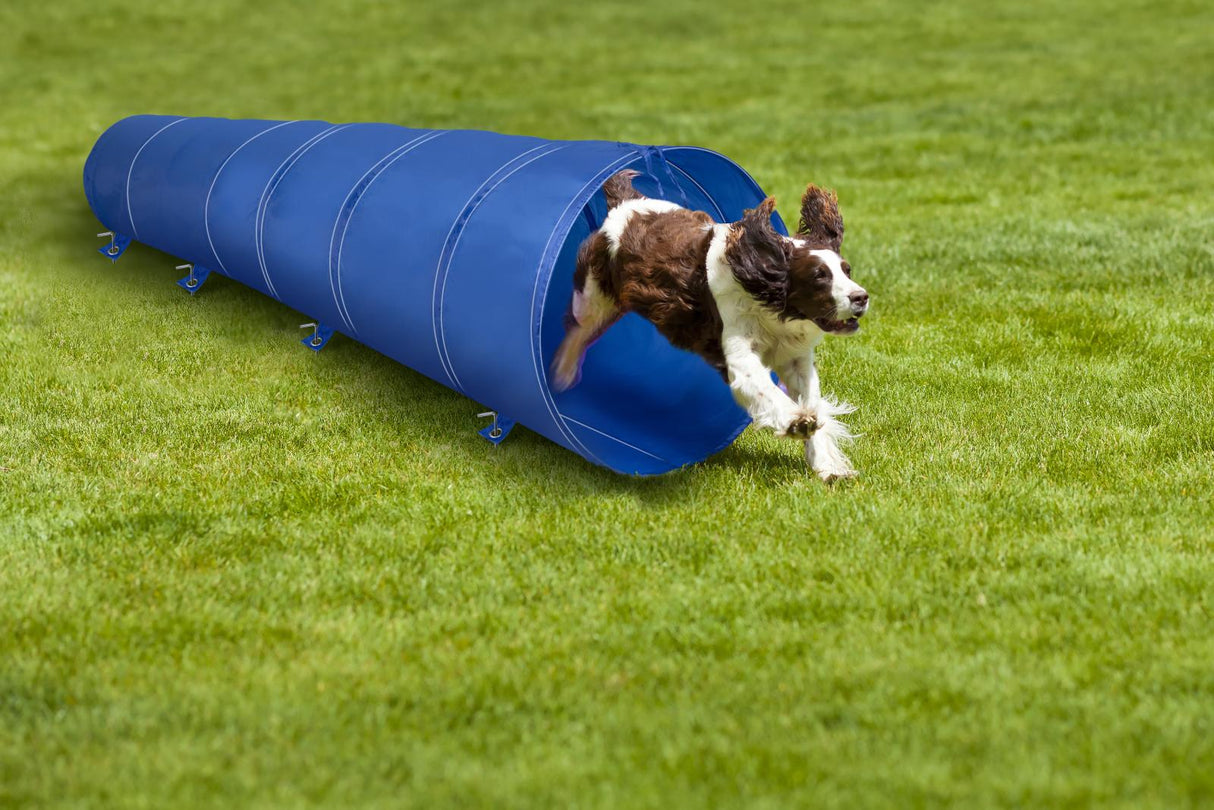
<point x="837" y="327"/>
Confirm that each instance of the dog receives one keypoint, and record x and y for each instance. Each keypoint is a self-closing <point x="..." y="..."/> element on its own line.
<point x="741" y="296"/>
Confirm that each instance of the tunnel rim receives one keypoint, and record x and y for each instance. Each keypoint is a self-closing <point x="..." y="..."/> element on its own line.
<point x="557" y="240"/>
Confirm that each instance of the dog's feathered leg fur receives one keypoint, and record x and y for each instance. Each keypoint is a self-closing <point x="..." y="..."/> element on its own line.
<point x="822" y="451"/>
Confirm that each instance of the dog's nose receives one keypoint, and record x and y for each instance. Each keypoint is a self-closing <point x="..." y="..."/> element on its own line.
<point x="859" y="302"/>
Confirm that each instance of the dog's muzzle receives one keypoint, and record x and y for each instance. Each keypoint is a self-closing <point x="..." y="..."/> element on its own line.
<point x="858" y="302"/>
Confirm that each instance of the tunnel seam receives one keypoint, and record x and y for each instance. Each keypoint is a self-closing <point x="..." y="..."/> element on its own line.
<point x="434" y="134"/>
<point x="455" y="233"/>
<point x="613" y="438"/>
<point x="131" y="170"/>
<point x="206" y="207"/>
<point x="272" y="184"/>
<point x="346" y="213"/>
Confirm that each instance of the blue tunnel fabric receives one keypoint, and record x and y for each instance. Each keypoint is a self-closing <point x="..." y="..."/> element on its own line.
<point x="450" y="251"/>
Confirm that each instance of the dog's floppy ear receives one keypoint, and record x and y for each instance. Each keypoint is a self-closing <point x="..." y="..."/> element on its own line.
<point x="759" y="256"/>
<point x="821" y="224"/>
<point x="757" y="229"/>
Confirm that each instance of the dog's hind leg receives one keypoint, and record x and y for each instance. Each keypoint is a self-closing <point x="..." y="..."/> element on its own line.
<point x="591" y="313"/>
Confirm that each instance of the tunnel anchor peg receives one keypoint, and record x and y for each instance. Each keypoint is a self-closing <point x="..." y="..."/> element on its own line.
<point x="194" y="278"/>
<point x="497" y="431"/>
<point x="117" y="246"/>
<point x="319" y="337"/>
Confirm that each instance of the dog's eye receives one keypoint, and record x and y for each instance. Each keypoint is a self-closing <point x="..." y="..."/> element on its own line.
<point x="823" y="272"/>
<point x="847" y="269"/>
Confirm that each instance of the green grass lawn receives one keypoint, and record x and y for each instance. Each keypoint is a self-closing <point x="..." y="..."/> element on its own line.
<point x="237" y="574"/>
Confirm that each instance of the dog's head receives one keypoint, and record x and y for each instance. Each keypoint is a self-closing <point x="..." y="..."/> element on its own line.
<point x="800" y="277"/>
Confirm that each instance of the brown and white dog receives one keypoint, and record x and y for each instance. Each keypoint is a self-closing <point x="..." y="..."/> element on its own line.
<point x="740" y="295"/>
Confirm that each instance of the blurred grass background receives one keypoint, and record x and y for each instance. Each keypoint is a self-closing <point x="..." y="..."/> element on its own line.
<point x="234" y="574"/>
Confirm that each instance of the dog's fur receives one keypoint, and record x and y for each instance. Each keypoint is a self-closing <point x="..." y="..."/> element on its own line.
<point x="741" y="296"/>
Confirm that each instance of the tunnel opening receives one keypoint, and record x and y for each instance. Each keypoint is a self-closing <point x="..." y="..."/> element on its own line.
<point x="643" y="406"/>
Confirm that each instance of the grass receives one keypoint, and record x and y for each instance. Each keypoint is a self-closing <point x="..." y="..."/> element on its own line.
<point x="234" y="574"/>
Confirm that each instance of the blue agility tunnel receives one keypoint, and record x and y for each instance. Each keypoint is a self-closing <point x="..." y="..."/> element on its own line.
<point x="450" y="251"/>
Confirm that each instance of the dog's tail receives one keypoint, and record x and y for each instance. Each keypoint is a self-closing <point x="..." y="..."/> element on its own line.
<point x="618" y="188"/>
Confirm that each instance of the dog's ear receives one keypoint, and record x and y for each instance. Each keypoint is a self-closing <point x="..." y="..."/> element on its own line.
<point x="759" y="256"/>
<point x="757" y="230"/>
<point x="821" y="224"/>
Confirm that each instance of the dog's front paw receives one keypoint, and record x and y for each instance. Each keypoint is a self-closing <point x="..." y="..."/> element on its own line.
<point x="833" y="476"/>
<point x="833" y="468"/>
<point x="826" y="459"/>
<point x="801" y="426"/>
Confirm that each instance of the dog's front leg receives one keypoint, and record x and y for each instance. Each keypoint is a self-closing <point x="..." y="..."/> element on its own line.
<point x="752" y="386"/>
<point x="800" y="377"/>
